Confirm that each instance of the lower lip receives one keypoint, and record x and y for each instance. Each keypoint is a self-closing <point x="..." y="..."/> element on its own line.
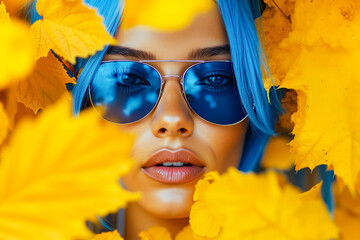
<point x="174" y="174"/>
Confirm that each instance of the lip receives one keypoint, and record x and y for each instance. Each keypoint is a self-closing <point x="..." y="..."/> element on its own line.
<point x="173" y="174"/>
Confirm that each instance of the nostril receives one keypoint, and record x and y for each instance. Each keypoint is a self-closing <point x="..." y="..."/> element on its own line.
<point x="162" y="130"/>
<point x="183" y="130"/>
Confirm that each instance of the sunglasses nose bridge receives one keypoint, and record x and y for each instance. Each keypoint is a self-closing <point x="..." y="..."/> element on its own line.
<point x="163" y="77"/>
<point x="167" y="76"/>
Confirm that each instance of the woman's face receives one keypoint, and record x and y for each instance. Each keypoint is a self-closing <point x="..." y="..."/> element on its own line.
<point x="172" y="132"/>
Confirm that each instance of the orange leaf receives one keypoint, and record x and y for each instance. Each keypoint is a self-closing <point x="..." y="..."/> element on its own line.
<point x="4" y="123"/>
<point x="15" y="6"/>
<point x="347" y="213"/>
<point x="4" y="15"/>
<point x="45" y="85"/>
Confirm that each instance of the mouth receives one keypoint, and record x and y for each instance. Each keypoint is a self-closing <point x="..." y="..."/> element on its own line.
<point x="168" y="166"/>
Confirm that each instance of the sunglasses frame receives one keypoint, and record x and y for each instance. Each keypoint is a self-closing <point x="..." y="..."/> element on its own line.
<point x="162" y="77"/>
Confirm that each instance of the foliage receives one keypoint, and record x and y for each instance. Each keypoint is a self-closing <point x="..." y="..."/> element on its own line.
<point x="55" y="174"/>
<point x="272" y="211"/>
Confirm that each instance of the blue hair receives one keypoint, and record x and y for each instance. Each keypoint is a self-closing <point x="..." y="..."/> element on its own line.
<point x="249" y="65"/>
<point x="250" y="68"/>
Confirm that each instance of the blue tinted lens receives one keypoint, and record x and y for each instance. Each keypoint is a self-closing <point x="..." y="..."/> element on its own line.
<point x="125" y="91"/>
<point x="212" y="92"/>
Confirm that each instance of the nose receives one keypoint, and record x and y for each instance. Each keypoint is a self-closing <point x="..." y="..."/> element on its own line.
<point x="172" y="116"/>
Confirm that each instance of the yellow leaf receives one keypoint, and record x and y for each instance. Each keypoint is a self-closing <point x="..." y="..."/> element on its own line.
<point x="277" y="154"/>
<point x="15" y="6"/>
<point x="4" y="123"/>
<point x="45" y="85"/>
<point x="256" y="207"/>
<point x="8" y="98"/>
<point x="347" y="213"/>
<point x="276" y="27"/>
<point x="114" y="235"/>
<point x="16" y="60"/>
<point x="4" y="15"/>
<point x="202" y="220"/>
<point x="155" y="233"/>
<point x="163" y="14"/>
<point x="70" y="28"/>
<point x="313" y="193"/>
<point x="57" y="172"/>
<point x="188" y="234"/>
<point x="319" y="59"/>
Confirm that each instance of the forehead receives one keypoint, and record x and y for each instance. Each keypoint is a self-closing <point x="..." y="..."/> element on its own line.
<point x="207" y="30"/>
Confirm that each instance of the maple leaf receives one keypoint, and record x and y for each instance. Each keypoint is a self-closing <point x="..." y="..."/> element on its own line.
<point x="163" y="14"/>
<point x="276" y="27"/>
<point x="155" y="233"/>
<point x="277" y="154"/>
<point x="57" y="172"/>
<point x="322" y="66"/>
<point x="256" y="207"/>
<point x="45" y="85"/>
<point x="16" y="54"/>
<point x="113" y="235"/>
<point x="70" y="28"/>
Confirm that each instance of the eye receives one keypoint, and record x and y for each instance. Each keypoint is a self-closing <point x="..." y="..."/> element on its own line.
<point x="129" y="81"/>
<point x="216" y="81"/>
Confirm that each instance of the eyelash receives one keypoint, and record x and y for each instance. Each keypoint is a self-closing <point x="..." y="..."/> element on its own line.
<point x="226" y="76"/>
<point x="116" y="73"/>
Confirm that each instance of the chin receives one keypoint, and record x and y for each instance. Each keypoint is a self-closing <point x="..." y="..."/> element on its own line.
<point x="169" y="202"/>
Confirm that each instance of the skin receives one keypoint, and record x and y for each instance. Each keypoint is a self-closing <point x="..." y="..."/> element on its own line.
<point x="217" y="146"/>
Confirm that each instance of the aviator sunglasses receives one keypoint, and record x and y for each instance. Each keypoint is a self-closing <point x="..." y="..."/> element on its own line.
<point x="124" y="91"/>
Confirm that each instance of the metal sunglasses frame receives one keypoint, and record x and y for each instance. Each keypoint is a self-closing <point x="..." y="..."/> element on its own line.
<point x="162" y="79"/>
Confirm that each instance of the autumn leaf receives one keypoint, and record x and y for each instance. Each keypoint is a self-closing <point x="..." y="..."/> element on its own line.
<point x="155" y="233"/>
<point x="277" y="154"/>
<point x="69" y="28"/>
<point x="45" y="85"/>
<point x="188" y="234"/>
<point x="204" y="222"/>
<point x="347" y="213"/>
<point x="16" y="54"/>
<point x="4" y="123"/>
<point x="15" y="6"/>
<point x="162" y="14"/>
<point x="4" y="15"/>
<point x="256" y="207"/>
<point x="321" y="64"/>
<point x="57" y="172"/>
<point x="276" y="27"/>
<point x="114" y="235"/>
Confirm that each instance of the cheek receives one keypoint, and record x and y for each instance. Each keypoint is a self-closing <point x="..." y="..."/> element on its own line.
<point x="226" y="143"/>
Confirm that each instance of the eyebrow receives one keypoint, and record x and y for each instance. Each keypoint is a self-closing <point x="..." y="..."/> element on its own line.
<point x="130" y="52"/>
<point x="199" y="53"/>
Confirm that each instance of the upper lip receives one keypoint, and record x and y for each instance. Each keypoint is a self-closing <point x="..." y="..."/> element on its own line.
<point x="178" y="155"/>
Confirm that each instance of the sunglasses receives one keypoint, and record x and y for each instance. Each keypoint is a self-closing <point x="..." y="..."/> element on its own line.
<point x="124" y="92"/>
